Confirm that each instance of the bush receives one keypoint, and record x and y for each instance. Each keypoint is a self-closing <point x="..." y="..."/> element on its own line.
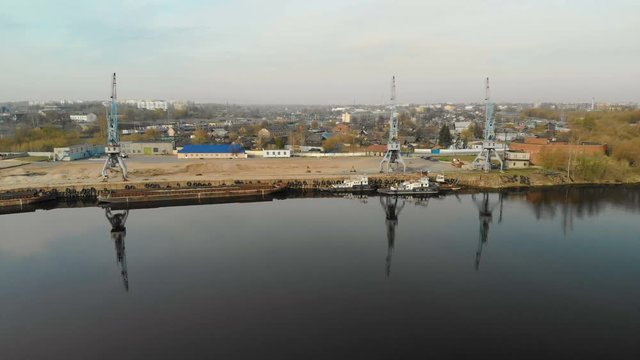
<point x="554" y="159"/>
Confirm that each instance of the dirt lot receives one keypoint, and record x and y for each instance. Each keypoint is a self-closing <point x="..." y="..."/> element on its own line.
<point x="43" y="174"/>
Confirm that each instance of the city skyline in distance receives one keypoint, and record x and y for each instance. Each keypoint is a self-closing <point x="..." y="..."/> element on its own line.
<point x="330" y="52"/>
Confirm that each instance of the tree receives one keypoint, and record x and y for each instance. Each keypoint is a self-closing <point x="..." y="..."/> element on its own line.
<point x="279" y="143"/>
<point x="130" y="115"/>
<point x="200" y="136"/>
<point x="444" y="139"/>
<point x="466" y="135"/>
<point x="335" y="142"/>
<point x="152" y="134"/>
<point x="478" y="130"/>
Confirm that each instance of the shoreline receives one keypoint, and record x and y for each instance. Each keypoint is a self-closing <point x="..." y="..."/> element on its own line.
<point x="468" y="182"/>
<point x="298" y="173"/>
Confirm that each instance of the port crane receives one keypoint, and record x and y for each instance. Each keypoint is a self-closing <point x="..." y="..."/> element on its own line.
<point x="118" y="233"/>
<point x="392" y="210"/>
<point x="392" y="157"/>
<point x="114" y="153"/>
<point x="483" y="160"/>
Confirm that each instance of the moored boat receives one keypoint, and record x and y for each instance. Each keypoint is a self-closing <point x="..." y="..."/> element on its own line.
<point x="421" y="186"/>
<point x="359" y="183"/>
<point x="447" y="185"/>
<point x="153" y="195"/>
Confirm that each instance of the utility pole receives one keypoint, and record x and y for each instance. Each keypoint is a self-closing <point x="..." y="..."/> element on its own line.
<point x="114" y="158"/>
<point x="393" y="155"/>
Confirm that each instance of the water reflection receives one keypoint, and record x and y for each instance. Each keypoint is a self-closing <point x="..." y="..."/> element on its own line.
<point x="118" y="233"/>
<point x="362" y="198"/>
<point x="392" y="206"/>
<point x="572" y="203"/>
<point x="322" y="280"/>
<point x="485" y="215"/>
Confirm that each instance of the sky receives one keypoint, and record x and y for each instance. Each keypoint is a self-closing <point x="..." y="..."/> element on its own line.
<point x="321" y="52"/>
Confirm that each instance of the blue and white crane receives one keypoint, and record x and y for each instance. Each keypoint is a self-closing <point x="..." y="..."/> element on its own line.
<point x="483" y="160"/>
<point x="114" y="161"/>
<point x="393" y="157"/>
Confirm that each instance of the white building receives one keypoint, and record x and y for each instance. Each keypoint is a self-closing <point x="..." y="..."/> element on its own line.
<point x="346" y="117"/>
<point x="510" y="136"/>
<point x="153" y="105"/>
<point x="149" y="104"/>
<point x="517" y="160"/>
<point x="460" y="126"/>
<point x="77" y="152"/>
<point x="276" y="153"/>
<point x="83" y="118"/>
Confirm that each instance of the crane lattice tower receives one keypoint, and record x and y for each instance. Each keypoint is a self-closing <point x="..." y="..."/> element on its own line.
<point x="118" y="233"/>
<point x="483" y="160"/>
<point x="392" y="210"/>
<point x="114" y="154"/>
<point x="392" y="156"/>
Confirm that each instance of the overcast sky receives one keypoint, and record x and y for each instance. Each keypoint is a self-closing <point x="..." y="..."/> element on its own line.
<point x="321" y="52"/>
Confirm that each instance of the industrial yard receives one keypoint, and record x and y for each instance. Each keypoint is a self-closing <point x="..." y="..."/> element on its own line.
<point x="167" y="168"/>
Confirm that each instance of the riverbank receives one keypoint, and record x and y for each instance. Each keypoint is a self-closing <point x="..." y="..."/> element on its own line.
<point x="299" y="173"/>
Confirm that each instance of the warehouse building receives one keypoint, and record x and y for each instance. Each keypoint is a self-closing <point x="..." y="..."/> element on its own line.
<point x="516" y="160"/>
<point x="77" y="152"/>
<point x="226" y="151"/>
<point x="147" y="148"/>
<point x="276" y="153"/>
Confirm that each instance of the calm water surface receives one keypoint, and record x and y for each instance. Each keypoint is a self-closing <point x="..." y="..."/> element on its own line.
<point x="519" y="275"/>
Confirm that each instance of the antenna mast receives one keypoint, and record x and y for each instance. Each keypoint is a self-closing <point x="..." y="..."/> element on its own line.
<point x="113" y="151"/>
<point x="393" y="156"/>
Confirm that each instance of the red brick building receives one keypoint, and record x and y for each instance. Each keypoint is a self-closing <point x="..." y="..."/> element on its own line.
<point x="341" y="129"/>
<point x="535" y="146"/>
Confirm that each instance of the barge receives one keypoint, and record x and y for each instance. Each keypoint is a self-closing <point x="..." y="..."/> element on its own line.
<point x="22" y="198"/>
<point x="197" y="194"/>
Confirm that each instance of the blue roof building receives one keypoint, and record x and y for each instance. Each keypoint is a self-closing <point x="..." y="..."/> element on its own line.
<point x="224" y="151"/>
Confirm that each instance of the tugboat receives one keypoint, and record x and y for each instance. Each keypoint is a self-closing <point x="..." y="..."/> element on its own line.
<point x="421" y="186"/>
<point x="447" y="185"/>
<point x="358" y="183"/>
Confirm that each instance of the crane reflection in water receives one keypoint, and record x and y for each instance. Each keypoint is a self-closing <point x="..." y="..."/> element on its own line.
<point x="392" y="206"/>
<point x="485" y="215"/>
<point x="118" y="233"/>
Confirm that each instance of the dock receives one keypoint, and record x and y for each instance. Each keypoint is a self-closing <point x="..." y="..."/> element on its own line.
<point x="90" y="191"/>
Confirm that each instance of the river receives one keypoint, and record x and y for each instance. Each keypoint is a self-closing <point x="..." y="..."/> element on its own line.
<point x="536" y="274"/>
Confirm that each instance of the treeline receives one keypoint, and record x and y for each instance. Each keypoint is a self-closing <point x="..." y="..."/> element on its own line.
<point x="548" y="114"/>
<point x="39" y="139"/>
<point x="619" y="131"/>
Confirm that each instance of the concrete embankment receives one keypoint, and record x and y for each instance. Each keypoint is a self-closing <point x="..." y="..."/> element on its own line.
<point x="468" y="180"/>
<point x="527" y="179"/>
<point x="90" y="190"/>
